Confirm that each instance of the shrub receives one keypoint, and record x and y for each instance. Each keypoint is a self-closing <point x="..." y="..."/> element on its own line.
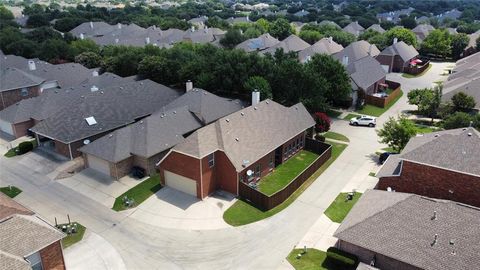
<point x="341" y="258"/>
<point x="319" y="137"/>
<point x="322" y="122"/>
<point x="24" y="147"/>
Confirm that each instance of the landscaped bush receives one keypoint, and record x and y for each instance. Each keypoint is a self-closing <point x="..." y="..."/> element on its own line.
<point x="319" y="137"/>
<point x="322" y="122"/>
<point x="341" y="258"/>
<point x="24" y="147"/>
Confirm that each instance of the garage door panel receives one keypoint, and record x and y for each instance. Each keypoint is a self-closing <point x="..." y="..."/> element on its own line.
<point x="180" y="183"/>
<point x="98" y="164"/>
<point x="6" y="127"/>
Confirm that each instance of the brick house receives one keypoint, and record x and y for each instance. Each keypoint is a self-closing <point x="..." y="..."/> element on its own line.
<point x="397" y="56"/>
<point x="244" y="146"/>
<point x="443" y="165"/>
<point x="400" y="231"/>
<point x="145" y="142"/>
<point x="40" y="247"/>
<point x="16" y="85"/>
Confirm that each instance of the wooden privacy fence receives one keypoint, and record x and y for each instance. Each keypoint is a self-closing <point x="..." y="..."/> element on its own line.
<point x="383" y="102"/>
<point x="415" y="70"/>
<point x="266" y="202"/>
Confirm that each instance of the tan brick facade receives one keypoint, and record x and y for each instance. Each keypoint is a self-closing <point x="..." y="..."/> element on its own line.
<point x="52" y="257"/>
<point x="366" y="256"/>
<point x="11" y="97"/>
<point x="435" y="183"/>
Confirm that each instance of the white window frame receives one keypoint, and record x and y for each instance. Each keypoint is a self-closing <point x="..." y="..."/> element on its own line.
<point x="24" y="92"/>
<point x="35" y="260"/>
<point x="211" y="160"/>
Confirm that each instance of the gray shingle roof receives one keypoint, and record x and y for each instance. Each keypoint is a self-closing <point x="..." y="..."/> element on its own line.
<point x="14" y="78"/>
<point x="402" y="49"/>
<point x="12" y="262"/>
<point x="357" y="50"/>
<point x="365" y="72"/>
<point x="327" y="22"/>
<point x="422" y="30"/>
<point x="291" y="44"/>
<point x="112" y="107"/>
<point x="260" y="43"/>
<point x="376" y="27"/>
<point x="164" y="129"/>
<point x="323" y="46"/>
<point x="269" y="124"/>
<point x="91" y="29"/>
<point x="401" y="226"/>
<point x="354" y="28"/>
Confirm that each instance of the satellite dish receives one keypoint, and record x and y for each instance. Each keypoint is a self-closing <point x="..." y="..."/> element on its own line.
<point x="389" y="189"/>
<point x="86" y="141"/>
<point x="249" y="172"/>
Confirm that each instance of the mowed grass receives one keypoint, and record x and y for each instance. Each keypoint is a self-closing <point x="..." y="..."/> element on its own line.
<point x="139" y="193"/>
<point x="335" y="136"/>
<point x="314" y="259"/>
<point x="242" y="212"/>
<point x="286" y="172"/>
<point x="340" y="207"/>
<point x="11" y="191"/>
<point x="410" y="76"/>
<point x="349" y="116"/>
<point x="74" y="237"/>
<point x="377" y="111"/>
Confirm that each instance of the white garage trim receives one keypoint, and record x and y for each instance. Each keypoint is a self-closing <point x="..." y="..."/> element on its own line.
<point x="98" y="164"/>
<point x="180" y="183"/>
<point x="6" y="127"/>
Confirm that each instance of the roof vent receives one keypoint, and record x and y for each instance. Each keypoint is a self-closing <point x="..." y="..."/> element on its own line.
<point x="228" y="120"/>
<point x="174" y="112"/>
<point x="86" y="142"/>
<point x="91" y="120"/>
<point x="141" y="121"/>
<point x="434" y="215"/>
<point x="267" y="102"/>
<point x="94" y="88"/>
<point x="110" y="135"/>
<point x="464" y="129"/>
<point x="436" y="135"/>
<point x="469" y="134"/>
<point x="237" y="139"/>
<point x="242" y="113"/>
<point x="255" y="108"/>
<point x="435" y="240"/>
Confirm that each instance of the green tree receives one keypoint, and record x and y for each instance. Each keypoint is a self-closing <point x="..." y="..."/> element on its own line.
<point x="459" y="43"/>
<point x="427" y="100"/>
<point x="263" y="24"/>
<point x="5" y="14"/>
<point x="397" y="133"/>
<point x="37" y="20"/>
<point x="89" y="59"/>
<point x="22" y="47"/>
<point x="281" y="29"/>
<point x="252" y="32"/>
<point x="257" y="83"/>
<point x="463" y="102"/>
<point x="55" y="49"/>
<point x="408" y="22"/>
<point x="457" y="120"/>
<point x="310" y="36"/>
<point x="84" y="45"/>
<point x="478" y="43"/>
<point x="232" y="38"/>
<point x="402" y="34"/>
<point x="438" y="42"/>
<point x="68" y="23"/>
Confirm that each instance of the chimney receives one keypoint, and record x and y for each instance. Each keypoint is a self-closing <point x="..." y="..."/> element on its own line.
<point x="91" y="25"/>
<point x="192" y="29"/>
<point x="255" y="97"/>
<point x="248" y="19"/>
<point x="94" y="88"/>
<point x="82" y="36"/>
<point x="154" y="27"/>
<point x="117" y="40"/>
<point x="189" y="86"/>
<point x="330" y="39"/>
<point x="119" y="25"/>
<point x="370" y="49"/>
<point x="395" y="40"/>
<point x="345" y="60"/>
<point x="147" y="40"/>
<point x="31" y="65"/>
<point x="95" y="73"/>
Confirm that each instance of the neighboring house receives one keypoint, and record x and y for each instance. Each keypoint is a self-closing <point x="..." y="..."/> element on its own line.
<point x="422" y="31"/>
<point x="260" y="43"/>
<point x="291" y="44"/>
<point x="394" y="16"/>
<point x="397" y="56"/>
<point x="400" y="231"/>
<point x="377" y="28"/>
<point x="422" y="20"/>
<point x="329" y="23"/>
<point x="298" y="26"/>
<point x="27" y="241"/>
<point x="199" y="22"/>
<point x="323" y="46"/>
<point x="357" y="50"/>
<point x="354" y="28"/>
<point x="145" y="142"/>
<point x="16" y="85"/>
<point x="302" y="13"/>
<point x="207" y="35"/>
<point x="443" y="165"/>
<point x="88" y="114"/>
<point x="472" y="44"/>
<point x="255" y="140"/>
<point x="453" y="14"/>
<point x="452" y="31"/>
<point x="234" y="20"/>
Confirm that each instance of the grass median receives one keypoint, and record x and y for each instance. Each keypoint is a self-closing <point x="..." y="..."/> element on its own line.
<point x="138" y="193"/>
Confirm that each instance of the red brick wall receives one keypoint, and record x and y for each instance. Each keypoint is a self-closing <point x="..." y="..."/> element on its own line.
<point x="52" y="257"/>
<point x="21" y="129"/>
<point x="11" y="97"/>
<point x="396" y="64"/>
<point x="381" y="261"/>
<point x="121" y="168"/>
<point x="435" y="183"/>
<point x="208" y="177"/>
<point x="182" y="165"/>
<point x="226" y="173"/>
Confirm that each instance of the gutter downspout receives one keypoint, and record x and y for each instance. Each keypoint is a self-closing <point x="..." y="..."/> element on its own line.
<point x="3" y="102"/>
<point x="201" y="180"/>
<point x="70" y="151"/>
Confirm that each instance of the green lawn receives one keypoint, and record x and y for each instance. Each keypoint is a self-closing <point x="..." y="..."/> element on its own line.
<point x="377" y="111"/>
<point x="241" y="212"/>
<point x="333" y="113"/>
<point x="138" y="193"/>
<point x="350" y="116"/>
<point x="388" y="149"/>
<point x="339" y="208"/>
<point x="336" y="136"/>
<point x="314" y="259"/>
<point x="409" y="76"/>
<point x="10" y="192"/>
<point x="286" y="172"/>
<point x="73" y="238"/>
<point x="372" y="174"/>
<point x="12" y="152"/>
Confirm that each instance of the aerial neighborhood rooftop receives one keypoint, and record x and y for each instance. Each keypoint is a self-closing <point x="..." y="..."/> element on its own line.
<point x="226" y="135"/>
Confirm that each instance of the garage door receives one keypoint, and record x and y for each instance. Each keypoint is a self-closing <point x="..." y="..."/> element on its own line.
<point x="181" y="183"/>
<point x="98" y="164"/>
<point x="6" y="127"/>
<point x="386" y="68"/>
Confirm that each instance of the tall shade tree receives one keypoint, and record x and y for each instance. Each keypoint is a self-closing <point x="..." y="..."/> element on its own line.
<point x="257" y="83"/>
<point x="281" y="29"/>
<point x="402" y="34"/>
<point x="5" y="14"/>
<point x="463" y="102"/>
<point x="459" y="43"/>
<point x="89" y="59"/>
<point x="397" y="132"/>
<point x="232" y="38"/>
<point x="438" y="43"/>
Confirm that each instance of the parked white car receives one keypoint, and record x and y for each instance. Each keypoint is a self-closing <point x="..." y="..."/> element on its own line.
<point x="364" y="120"/>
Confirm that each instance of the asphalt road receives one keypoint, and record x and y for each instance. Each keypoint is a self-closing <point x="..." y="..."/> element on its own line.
<point x="261" y="245"/>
